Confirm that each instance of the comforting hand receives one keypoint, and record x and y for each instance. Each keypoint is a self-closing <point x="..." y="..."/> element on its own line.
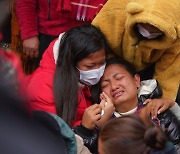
<point x="158" y="106"/>
<point x="91" y="115"/>
<point x="31" y="47"/>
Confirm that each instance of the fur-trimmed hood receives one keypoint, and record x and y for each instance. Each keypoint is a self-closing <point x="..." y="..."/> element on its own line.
<point x="163" y="14"/>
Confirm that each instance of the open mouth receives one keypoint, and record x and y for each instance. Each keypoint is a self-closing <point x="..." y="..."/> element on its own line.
<point x="117" y="94"/>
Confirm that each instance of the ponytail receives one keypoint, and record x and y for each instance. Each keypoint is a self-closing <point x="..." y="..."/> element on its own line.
<point x="155" y="138"/>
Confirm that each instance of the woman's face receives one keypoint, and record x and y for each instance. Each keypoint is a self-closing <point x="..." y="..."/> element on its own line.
<point x="93" y="61"/>
<point x="121" y="87"/>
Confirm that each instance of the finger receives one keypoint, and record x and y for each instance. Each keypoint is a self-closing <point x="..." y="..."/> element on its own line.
<point x="36" y="53"/>
<point x="102" y="103"/>
<point x="97" y="111"/>
<point x="97" y="117"/>
<point x="155" y="108"/>
<point x="32" y="54"/>
<point x="147" y="101"/>
<point x="107" y="98"/>
<point x="93" y="107"/>
<point x="102" y="96"/>
<point x="89" y="108"/>
<point x="154" y="112"/>
<point x="26" y="51"/>
<point x="162" y="109"/>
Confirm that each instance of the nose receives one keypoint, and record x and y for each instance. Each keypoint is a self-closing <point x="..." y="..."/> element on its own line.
<point x="114" y="86"/>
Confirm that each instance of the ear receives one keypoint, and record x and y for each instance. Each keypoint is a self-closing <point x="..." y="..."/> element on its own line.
<point x="137" y="80"/>
<point x="134" y="8"/>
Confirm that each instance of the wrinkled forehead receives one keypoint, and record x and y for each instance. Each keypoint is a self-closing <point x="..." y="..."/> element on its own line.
<point x="5" y="7"/>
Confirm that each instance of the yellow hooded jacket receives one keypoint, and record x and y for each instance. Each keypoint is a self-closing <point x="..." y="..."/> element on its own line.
<point x="117" y="19"/>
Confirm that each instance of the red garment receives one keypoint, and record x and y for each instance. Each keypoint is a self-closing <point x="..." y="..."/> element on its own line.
<point x="39" y="87"/>
<point x="15" y="71"/>
<point x="52" y="17"/>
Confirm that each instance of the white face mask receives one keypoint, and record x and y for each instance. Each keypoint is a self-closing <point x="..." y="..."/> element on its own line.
<point x="91" y="77"/>
<point x="144" y="32"/>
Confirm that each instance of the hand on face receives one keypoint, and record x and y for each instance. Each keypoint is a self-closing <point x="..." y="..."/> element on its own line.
<point x="107" y="110"/>
<point x="31" y="47"/>
<point x="91" y="115"/>
<point x="106" y="104"/>
<point x="158" y="106"/>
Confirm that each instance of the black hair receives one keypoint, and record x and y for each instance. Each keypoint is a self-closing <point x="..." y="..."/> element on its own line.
<point x="122" y="62"/>
<point x="76" y="44"/>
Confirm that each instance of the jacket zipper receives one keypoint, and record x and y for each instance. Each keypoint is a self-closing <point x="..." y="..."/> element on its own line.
<point x="49" y="10"/>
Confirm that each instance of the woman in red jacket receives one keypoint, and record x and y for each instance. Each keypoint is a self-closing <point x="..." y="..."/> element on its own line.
<point x="79" y="59"/>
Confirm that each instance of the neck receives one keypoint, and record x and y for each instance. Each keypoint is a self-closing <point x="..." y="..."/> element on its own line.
<point x="126" y="106"/>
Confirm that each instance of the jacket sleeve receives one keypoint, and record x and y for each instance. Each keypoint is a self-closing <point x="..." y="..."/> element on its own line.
<point x="27" y="17"/>
<point x="152" y="90"/>
<point x="167" y="71"/>
<point x="176" y="110"/>
<point x="89" y="137"/>
<point x="171" y="126"/>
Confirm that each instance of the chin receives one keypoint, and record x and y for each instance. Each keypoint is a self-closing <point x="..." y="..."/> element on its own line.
<point x="118" y="102"/>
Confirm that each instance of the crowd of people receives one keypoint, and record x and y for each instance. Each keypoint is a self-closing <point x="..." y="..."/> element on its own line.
<point x="106" y="78"/>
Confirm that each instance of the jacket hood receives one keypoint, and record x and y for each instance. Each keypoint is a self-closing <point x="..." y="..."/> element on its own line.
<point x="67" y="134"/>
<point x="163" y="14"/>
<point x="56" y="47"/>
<point x="50" y="55"/>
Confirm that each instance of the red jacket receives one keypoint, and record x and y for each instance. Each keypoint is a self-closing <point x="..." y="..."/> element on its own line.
<point x="52" y="17"/>
<point x="40" y="82"/>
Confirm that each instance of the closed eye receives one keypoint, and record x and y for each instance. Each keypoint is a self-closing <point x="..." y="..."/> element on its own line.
<point x="119" y="77"/>
<point x="89" y="67"/>
<point x="104" y="84"/>
<point x="102" y="63"/>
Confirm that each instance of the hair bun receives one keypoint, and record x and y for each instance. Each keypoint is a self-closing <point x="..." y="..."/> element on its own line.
<point x="155" y="138"/>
